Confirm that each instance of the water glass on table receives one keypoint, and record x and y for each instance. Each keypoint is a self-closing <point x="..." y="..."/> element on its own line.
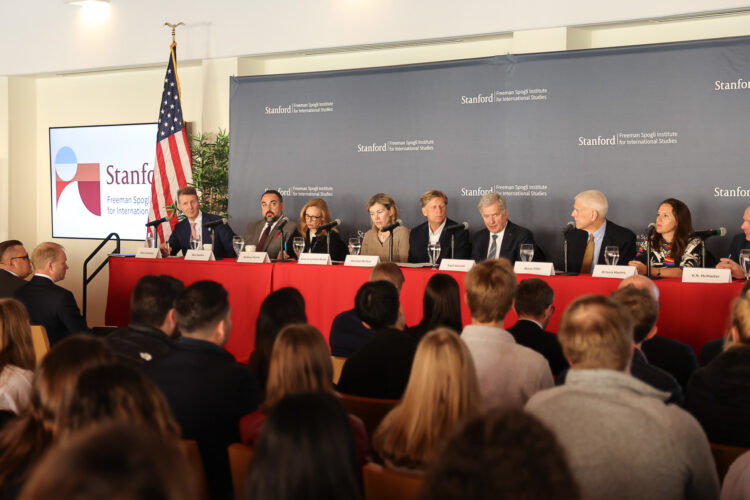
<point x="745" y="262"/>
<point x="355" y="245"/>
<point x="195" y="243"/>
<point x="611" y="255"/>
<point x="299" y="245"/>
<point x="237" y="243"/>
<point x="433" y="252"/>
<point x="527" y="252"/>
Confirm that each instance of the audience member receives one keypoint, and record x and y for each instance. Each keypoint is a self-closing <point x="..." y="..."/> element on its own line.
<point x="15" y="267"/>
<point x="508" y="373"/>
<point x="153" y="325"/>
<point x="48" y="304"/>
<point x="381" y="368"/>
<point x="314" y="214"/>
<point x="270" y="234"/>
<point x="17" y="358"/>
<point x="434" y="205"/>
<point x="441" y="306"/>
<point x="383" y="212"/>
<point x="736" y="484"/>
<point x="740" y="242"/>
<point x="282" y="307"/>
<point x="501" y="455"/>
<point x="501" y="238"/>
<point x="443" y="390"/>
<point x="305" y="450"/>
<point x="348" y="334"/>
<point x="117" y="461"/>
<point x="622" y="440"/>
<point x="714" y="347"/>
<point x="533" y="305"/>
<point x="207" y="390"/>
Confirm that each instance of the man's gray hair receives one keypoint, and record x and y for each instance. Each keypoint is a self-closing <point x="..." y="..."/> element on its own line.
<point x="595" y="200"/>
<point x="490" y="199"/>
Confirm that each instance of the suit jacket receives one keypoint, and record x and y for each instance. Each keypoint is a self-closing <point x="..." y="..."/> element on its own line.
<point x="420" y="237"/>
<point x="9" y="282"/>
<point x="673" y="356"/>
<point x="654" y="376"/>
<point x="180" y="238"/>
<point x="208" y="393"/>
<point x="275" y="239"/>
<point x="338" y="250"/>
<point x="614" y="235"/>
<point x="53" y="307"/>
<point x="510" y="248"/>
<point x="529" y="334"/>
<point x="738" y="243"/>
<point x="137" y="344"/>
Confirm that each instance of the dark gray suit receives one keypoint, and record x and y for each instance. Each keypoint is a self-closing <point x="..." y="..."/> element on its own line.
<point x="510" y="248"/>
<point x="9" y="282"/>
<point x="275" y="238"/>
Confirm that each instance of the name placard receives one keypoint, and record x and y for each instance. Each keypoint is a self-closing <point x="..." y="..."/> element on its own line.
<point x="619" y="272"/>
<point x="320" y="259"/>
<point x="463" y="265"/>
<point x="201" y="255"/>
<point x="538" y="268"/>
<point x="706" y="275"/>
<point x="362" y="260"/>
<point x="147" y="253"/>
<point x="253" y="257"/>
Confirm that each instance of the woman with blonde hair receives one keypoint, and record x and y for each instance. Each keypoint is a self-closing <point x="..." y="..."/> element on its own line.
<point x="443" y="390"/>
<point x="383" y="212"/>
<point x="314" y="214"/>
<point x="17" y="358"/>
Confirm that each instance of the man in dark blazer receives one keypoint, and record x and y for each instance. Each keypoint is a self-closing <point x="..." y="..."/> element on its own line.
<point x="595" y="230"/>
<point x="739" y="242"/>
<point x="187" y="199"/>
<point x="265" y="233"/>
<point x="206" y="388"/>
<point x="434" y="205"/>
<point x="506" y="236"/>
<point x="15" y="266"/>
<point x="48" y="304"/>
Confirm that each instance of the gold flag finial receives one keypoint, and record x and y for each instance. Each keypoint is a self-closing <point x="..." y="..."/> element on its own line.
<point x="174" y="27"/>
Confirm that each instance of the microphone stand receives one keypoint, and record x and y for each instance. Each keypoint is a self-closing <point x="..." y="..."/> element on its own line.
<point x="648" y="256"/>
<point x="565" y="254"/>
<point x="328" y="242"/>
<point x="703" y="253"/>
<point x="390" y="247"/>
<point x="453" y="243"/>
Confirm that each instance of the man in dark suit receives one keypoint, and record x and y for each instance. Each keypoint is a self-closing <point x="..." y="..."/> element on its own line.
<point x="207" y="390"/>
<point x="48" y="304"/>
<point x="14" y="267"/>
<point x="739" y="242"/>
<point x="195" y="223"/>
<point x="501" y="238"/>
<point x="533" y="304"/>
<point x="265" y="233"/>
<point x="594" y="233"/>
<point x="434" y="205"/>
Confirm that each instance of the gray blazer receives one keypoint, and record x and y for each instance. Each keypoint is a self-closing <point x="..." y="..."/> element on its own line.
<point x="275" y="238"/>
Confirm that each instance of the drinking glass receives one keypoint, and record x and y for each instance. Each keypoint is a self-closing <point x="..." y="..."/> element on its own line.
<point x="299" y="244"/>
<point x="745" y="262"/>
<point x="433" y="251"/>
<point x="611" y="255"/>
<point x="355" y="245"/>
<point x="237" y="243"/>
<point x="150" y="240"/>
<point x="527" y="252"/>
<point x="196" y="243"/>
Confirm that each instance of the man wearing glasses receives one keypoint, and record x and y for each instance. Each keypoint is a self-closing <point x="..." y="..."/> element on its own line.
<point x="14" y="267"/>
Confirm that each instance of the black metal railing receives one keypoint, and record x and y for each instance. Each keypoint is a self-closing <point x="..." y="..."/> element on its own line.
<point x="86" y="278"/>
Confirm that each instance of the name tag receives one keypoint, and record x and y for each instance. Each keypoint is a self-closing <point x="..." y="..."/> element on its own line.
<point x="147" y="253"/>
<point x="463" y="265"/>
<point x="321" y="259"/>
<point x="362" y="260"/>
<point x="253" y="257"/>
<point x="201" y="255"/>
<point x="620" y="272"/>
<point x="706" y="275"/>
<point x="538" y="268"/>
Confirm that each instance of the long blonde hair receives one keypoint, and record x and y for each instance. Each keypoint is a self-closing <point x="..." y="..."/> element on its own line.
<point x="442" y="391"/>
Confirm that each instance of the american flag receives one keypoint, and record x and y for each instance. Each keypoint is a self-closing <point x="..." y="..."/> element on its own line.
<point x="173" y="162"/>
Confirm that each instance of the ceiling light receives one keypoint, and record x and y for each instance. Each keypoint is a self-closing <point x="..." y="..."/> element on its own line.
<point x="84" y="3"/>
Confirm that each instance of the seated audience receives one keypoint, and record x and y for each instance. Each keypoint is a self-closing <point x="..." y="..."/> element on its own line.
<point x="282" y="307"/>
<point x="383" y="212"/>
<point x="501" y="238"/>
<point x="736" y="484"/>
<point x="206" y="388"/>
<point x="671" y="246"/>
<point x="534" y="308"/>
<point x="443" y="390"/>
<point x="15" y="267"/>
<point x="434" y="205"/>
<point x="508" y="373"/>
<point x="739" y="242"/>
<point x="714" y="347"/>
<point x="23" y="441"/>
<point x="118" y="461"/>
<point x="719" y="394"/>
<point x="381" y="368"/>
<point x="501" y="455"/>
<point x="299" y="363"/>
<point x="441" y="306"/>
<point x="348" y="334"/>
<point x="314" y="214"/>
<point x="305" y="450"/>
<point x="17" y="357"/>
<point x="152" y="330"/>
<point x="622" y="440"/>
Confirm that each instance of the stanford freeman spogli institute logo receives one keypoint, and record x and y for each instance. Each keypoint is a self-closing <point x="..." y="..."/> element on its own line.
<point x="68" y="171"/>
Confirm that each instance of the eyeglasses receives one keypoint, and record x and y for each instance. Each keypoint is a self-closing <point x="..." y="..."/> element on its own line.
<point x="313" y="217"/>
<point x="25" y="257"/>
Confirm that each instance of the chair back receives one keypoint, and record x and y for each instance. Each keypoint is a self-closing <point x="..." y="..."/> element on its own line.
<point x="370" y="410"/>
<point x="240" y="456"/>
<point x="40" y="341"/>
<point x="190" y="449"/>
<point x="724" y="455"/>
<point x="382" y="483"/>
<point x="338" y="365"/>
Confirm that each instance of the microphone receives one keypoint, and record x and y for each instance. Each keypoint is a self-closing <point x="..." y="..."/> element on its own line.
<point x="568" y="228"/>
<point x="213" y="223"/>
<point x="456" y="227"/>
<point x="651" y="230"/>
<point x="157" y="222"/>
<point x="329" y="225"/>
<point x="704" y="235"/>
<point x="392" y="226"/>
<point x="282" y="223"/>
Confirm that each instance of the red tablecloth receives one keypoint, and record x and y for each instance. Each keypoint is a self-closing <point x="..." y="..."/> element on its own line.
<point x="693" y="313"/>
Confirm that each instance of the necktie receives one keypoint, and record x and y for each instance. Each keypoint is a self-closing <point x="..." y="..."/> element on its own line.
<point x="192" y="230"/>
<point x="263" y="238"/>
<point x="588" y="255"/>
<point x="493" y="247"/>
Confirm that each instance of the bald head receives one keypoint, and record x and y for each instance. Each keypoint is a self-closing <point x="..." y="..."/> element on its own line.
<point x="642" y="283"/>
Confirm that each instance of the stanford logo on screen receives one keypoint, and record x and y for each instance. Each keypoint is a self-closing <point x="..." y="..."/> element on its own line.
<point x="68" y="171"/>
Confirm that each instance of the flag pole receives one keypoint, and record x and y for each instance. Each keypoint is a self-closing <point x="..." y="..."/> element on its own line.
<point x="174" y="27"/>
